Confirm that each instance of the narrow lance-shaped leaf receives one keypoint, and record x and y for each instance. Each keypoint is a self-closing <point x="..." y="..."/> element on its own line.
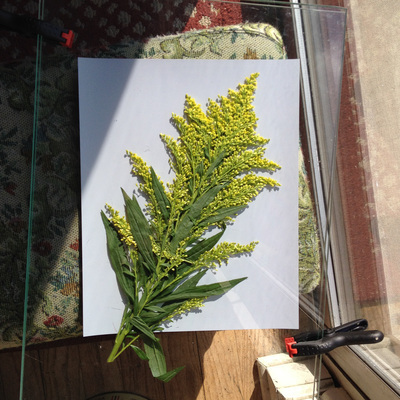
<point x="194" y="212"/>
<point x="200" y="248"/>
<point x="162" y="199"/>
<point x="170" y="374"/>
<point x="157" y="361"/>
<point x="140" y="230"/>
<point x="221" y="215"/>
<point x="117" y="256"/>
<point x="140" y="353"/>
<point x="154" y="309"/>
<point x="156" y="356"/>
<point x="142" y="328"/>
<point x="157" y="318"/>
<point x="192" y="281"/>
<point x="214" y="289"/>
<point x="188" y="283"/>
<point x="215" y="163"/>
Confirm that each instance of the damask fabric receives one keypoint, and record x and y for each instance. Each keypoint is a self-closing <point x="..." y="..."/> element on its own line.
<point x="54" y="292"/>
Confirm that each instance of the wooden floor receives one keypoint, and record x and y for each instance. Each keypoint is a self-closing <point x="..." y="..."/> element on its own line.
<point x="219" y="365"/>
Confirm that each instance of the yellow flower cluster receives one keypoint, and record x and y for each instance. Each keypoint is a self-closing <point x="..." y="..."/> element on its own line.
<point x="185" y="308"/>
<point x="246" y="161"/>
<point x="121" y="225"/>
<point x="142" y="170"/>
<point x="241" y="191"/>
<point x="222" y="252"/>
<point x="228" y="126"/>
<point x="219" y="147"/>
<point x="235" y="120"/>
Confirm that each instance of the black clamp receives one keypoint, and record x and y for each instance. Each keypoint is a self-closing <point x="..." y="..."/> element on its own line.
<point x="320" y="342"/>
<point x="31" y="26"/>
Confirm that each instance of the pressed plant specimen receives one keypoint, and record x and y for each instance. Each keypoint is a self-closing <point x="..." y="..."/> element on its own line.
<point x="160" y="255"/>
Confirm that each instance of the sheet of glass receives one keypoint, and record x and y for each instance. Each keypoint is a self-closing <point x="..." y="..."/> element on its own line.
<point x="128" y="113"/>
<point x="104" y="30"/>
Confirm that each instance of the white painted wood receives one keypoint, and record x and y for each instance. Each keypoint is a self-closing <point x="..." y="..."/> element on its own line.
<point x="282" y="378"/>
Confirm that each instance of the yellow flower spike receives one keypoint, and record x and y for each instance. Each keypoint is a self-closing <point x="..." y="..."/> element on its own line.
<point x="214" y="159"/>
<point x="121" y="225"/>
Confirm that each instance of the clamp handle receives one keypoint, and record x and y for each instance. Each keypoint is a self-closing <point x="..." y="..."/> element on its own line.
<point x="330" y="343"/>
<point x="30" y="26"/>
<point x="320" y="342"/>
<point x="356" y="325"/>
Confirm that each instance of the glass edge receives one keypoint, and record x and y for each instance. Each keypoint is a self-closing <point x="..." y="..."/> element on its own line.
<point x="283" y="4"/>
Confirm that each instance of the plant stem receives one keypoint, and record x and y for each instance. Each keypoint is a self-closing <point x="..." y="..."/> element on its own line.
<point x="119" y="340"/>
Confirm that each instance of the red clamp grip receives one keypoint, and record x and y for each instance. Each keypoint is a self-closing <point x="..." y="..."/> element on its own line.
<point x="69" y="38"/>
<point x="289" y="342"/>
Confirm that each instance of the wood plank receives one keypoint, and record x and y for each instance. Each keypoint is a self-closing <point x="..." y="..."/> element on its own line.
<point x="59" y="366"/>
<point x="229" y="362"/>
<point x="33" y="377"/>
<point x="219" y="365"/>
<point x="181" y="349"/>
<point x="10" y="368"/>
<point x="126" y="373"/>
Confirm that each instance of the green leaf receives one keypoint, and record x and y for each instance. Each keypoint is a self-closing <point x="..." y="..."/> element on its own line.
<point x="143" y="299"/>
<point x="215" y="163"/>
<point x="153" y="318"/>
<point x="161" y="197"/>
<point x="129" y="273"/>
<point x="142" y="328"/>
<point x="207" y="153"/>
<point x="140" y="230"/>
<point x="140" y="353"/>
<point x="214" y="289"/>
<point x="187" y="284"/>
<point x="154" y="309"/>
<point x="192" y="281"/>
<point x="117" y="256"/>
<point x="141" y="271"/>
<point x="169" y="375"/>
<point x="207" y="244"/>
<point x="222" y="214"/>
<point x="192" y="215"/>
<point x="200" y="168"/>
<point x="156" y="357"/>
<point x="157" y="362"/>
<point x="166" y="289"/>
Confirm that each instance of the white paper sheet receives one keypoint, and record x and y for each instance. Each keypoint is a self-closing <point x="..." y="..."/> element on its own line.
<point x="126" y="104"/>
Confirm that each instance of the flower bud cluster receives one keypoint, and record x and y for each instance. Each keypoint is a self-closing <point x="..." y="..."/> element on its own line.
<point x="121" y="225"/>
<point x="185" y="308"/>
<point x="222" y="252"/>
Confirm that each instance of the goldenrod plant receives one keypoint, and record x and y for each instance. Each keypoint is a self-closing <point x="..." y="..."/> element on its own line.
<point x="161" y="254"/>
